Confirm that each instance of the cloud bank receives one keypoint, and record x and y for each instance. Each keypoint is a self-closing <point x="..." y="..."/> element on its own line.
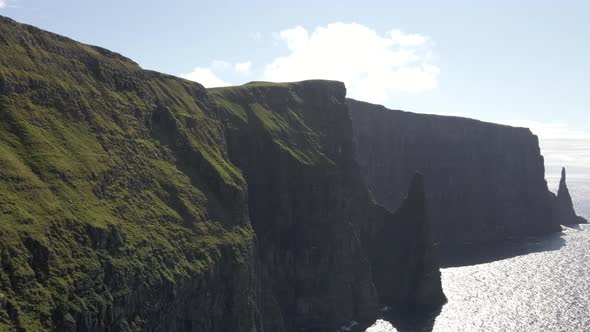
<point x="374" y="67"/>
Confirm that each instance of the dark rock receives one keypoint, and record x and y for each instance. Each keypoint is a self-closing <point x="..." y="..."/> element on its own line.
<point x="564" y="208"/>
<point x="484" y="182"/>
<point x="313" y="216"/>
<point x="421" y="288"/>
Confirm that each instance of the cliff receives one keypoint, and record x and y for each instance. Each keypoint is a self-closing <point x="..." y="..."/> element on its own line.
<point x="119" y="208"/>
<point x="134" y="200"/>
<point x="312" y="213"/>
<point x="563" y="207"/>
<point x="484" y="181"/>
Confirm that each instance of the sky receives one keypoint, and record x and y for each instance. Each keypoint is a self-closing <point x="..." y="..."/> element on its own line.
<point x="523" y="63"/>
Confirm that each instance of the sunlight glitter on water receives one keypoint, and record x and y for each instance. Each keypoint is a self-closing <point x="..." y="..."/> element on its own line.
<point x="546" y="290"/>
<point x="542" y="291"/>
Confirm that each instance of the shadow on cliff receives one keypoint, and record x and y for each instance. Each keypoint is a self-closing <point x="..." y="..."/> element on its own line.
<point x="464" y="255"/>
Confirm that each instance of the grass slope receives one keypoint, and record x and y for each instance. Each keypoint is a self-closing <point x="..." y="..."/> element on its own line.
<point x="110" y="177"/>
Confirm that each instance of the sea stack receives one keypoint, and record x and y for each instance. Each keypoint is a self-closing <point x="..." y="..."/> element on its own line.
<point x="564" y="206"/>
<point x="421" y="289"/>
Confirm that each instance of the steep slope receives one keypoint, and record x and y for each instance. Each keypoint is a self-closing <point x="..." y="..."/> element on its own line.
<point x="483" y="181"/>
<point x="564" y="208"/>
<point x="134" y="200"/>
<point x="311" y="211"/>
<point x="119" y="208"/>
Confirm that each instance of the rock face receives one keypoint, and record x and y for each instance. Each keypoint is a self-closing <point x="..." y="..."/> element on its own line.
<point x="423" y="292"/>
<point x="564" y="208"/>
<point x="134" y="200"/>
<point x="312" y="213"/>
<point x="484" y="182"/>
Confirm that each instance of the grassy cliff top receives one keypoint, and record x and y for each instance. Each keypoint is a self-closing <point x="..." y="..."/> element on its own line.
<point x="303" y="118"/>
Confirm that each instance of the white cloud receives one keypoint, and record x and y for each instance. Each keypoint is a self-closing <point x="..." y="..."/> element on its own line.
<point x="374" y="67"/>
<point x="3" y="3"/>
<point x="243" y="67"/>
<point x="210" y="76"/>
<point x="206" y="77"/>
<point x="404" y="39"/>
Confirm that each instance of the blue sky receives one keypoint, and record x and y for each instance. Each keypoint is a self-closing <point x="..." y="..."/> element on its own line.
<point x="524" y="63"/>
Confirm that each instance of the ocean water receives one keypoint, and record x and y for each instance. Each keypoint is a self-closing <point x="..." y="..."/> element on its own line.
<point x="538" y="284"/>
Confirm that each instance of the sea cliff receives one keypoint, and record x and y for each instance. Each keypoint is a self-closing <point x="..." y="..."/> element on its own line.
<point x="484" y="182"/>
<point x="135" y="200"/>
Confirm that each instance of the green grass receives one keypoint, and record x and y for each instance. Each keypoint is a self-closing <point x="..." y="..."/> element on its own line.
<point x="283" y="117"/>
<point x="82" y="161"/>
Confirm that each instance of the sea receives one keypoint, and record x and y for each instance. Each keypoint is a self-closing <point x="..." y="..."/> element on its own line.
<point x="536" y="284"/>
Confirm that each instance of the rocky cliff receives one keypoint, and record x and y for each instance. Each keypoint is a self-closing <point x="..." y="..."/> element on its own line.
<point x="134" y="200"/>
<point x="483" y="181"/>
<point x="315" y="221"/>
<point x="563" y="207"/>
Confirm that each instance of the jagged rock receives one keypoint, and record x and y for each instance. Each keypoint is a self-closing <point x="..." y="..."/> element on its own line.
<point x="564" y="207"/>
<point x="484" y="182"/>
<point x="421" y="290"/>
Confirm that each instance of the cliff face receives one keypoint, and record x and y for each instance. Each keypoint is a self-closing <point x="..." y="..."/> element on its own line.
<point x="563" y="207"/>
<point x="483" y="181"/>
<point x="311" y="210"/>
<point x="133" y="200"/>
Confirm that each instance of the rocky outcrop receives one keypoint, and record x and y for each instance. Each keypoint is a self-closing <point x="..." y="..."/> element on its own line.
<point x="134" y="200"/>
<point x="563" y="207"/>
<point x="421" y="289"/>
<point x="484" y="181"/>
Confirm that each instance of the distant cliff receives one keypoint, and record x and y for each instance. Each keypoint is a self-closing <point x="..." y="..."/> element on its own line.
<point x="483" y="181"/>
<point x="134" y="200"/>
